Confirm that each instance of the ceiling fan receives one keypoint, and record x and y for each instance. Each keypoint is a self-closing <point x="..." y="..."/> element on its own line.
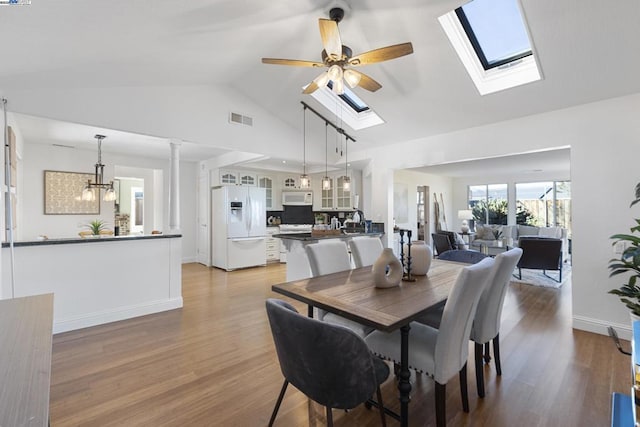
<point x="338" y="59"/>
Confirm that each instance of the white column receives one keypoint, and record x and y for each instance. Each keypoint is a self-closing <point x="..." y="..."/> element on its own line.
<point x="174" y="186"/>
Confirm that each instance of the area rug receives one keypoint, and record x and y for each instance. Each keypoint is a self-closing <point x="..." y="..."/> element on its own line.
<point x="536" y="278"/>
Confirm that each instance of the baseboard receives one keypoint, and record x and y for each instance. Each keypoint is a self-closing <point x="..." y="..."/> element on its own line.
<point x="123" y="313"/>
<point x="600" y="327"/>
<point x="189" y="260"/>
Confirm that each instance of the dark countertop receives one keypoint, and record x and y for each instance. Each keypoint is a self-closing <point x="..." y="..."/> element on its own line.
<point x="307" y="237"/>
<point x="72" y="240"/>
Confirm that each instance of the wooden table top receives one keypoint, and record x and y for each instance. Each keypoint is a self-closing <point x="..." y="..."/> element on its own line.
<point x="352" y="294"/>
<point x="25" y="360"/>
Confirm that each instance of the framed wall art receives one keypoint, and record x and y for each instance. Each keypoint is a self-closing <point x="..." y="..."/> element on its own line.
<point x="63" y="191"/>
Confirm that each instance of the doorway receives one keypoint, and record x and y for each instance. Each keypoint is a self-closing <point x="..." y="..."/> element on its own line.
<point x="422" y="214"/>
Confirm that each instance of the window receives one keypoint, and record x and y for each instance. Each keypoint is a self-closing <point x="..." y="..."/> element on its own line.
<point x="491" y="39"/>
<point x="544" y="204"/>
<point x="489" y="203"/>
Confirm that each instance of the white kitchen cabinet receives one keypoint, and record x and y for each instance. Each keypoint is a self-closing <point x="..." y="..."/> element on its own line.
<point x="290" y="182"/>
<point x="273" y="245"/>
<point x="343" y="197"/>
<point x="266" y="182"/>
<point x="247" y="178"/>
<point x="228" y="177"/>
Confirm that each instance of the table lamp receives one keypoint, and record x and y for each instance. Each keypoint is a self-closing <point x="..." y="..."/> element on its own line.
<point x="465" y="215"/>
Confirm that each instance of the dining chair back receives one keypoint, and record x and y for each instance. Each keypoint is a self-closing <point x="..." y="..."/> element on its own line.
<point x="328" y="363"/>
<point x="365" y="250"/>
<point x="486" y="325"/>
<point x="452" y="348"/>
<point x="328" y="257"/>
<point x="441" y="353"/>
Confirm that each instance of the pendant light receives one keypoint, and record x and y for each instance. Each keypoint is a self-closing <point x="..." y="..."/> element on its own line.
<point x="326" y="181"/>
<point x="304" y="178"/>
<point x="88" y="193"/>
<point x="346" y="184"/>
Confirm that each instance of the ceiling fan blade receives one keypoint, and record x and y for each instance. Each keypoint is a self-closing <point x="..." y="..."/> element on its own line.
<point x="295" y="62"/>
<point x="311" y="87"/>
<point x="330" y="38"/>
<point x="382" y="54"/>
<point x="367" y="82"/>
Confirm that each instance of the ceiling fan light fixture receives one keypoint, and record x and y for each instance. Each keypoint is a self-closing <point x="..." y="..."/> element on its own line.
<point x="338" y="87"/>
<point x="335" y="73"/>
<point x="352" y="78"/>
<point x="322" y="79"/>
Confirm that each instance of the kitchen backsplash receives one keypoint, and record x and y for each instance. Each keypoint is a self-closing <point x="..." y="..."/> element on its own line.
<point x="275" y="218"/>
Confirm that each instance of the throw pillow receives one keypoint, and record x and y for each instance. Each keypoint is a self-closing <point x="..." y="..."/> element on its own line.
<point x="554" y="232"/>
<point x="527" y="230"/>
<point x="484" y="232"/>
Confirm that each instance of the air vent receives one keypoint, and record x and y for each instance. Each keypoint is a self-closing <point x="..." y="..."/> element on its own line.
<point x="239" y="119"/>
<point x="63" y="146"/>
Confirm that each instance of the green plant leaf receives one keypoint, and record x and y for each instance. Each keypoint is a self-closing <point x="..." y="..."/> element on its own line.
<point x="637" y="200"/>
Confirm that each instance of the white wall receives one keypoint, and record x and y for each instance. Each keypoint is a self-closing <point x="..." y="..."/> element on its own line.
<point x="40" y="157"/>
<point x="605" y="147"/>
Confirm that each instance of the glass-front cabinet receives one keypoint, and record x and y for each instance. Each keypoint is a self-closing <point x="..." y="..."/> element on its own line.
<point x="327" y="198"/>
<point x="267" y="183"/>
<point x="290" y="182"/>
<point x="228" y="177"/>
<point x="343" y="197"/>
<point x="247" y="179"/>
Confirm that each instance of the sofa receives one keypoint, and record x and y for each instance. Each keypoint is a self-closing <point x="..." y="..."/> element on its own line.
<point x="509" y="235"/>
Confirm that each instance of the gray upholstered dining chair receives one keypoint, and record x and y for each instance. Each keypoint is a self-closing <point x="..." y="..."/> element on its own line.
<point x="441" y="353"/>
<point x="462" y="255"/>
<point x="486" y="324"/>
<point x="365" y="250"/>
<point x="331" y="257"/>
<point x="328" y="363"/>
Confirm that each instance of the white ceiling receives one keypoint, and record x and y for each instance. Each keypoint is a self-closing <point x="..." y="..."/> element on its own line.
<point x="586" y="49"/>
<point x="550" y="163"/>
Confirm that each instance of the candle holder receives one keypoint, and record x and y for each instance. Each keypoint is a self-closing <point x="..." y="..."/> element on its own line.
<point x="401" y="232"/>
<point x="407" y="277"/>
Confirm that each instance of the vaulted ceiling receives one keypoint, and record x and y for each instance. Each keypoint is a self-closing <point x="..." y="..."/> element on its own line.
<point x="588" y="50"/>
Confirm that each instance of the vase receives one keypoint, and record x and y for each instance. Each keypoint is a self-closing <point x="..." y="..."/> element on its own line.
<point x="384" y="277"/>
<point x="421" y="256"/>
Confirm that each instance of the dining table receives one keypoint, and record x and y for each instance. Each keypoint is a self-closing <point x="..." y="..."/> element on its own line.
<point x="352" y="294"/>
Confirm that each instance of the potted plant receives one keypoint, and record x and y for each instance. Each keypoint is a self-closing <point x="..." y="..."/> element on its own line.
<point x="96" y="226"/>
<point x="629" y="262"/>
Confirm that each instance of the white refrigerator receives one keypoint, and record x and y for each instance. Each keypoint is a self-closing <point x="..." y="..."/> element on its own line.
<point x="239" y="227"/>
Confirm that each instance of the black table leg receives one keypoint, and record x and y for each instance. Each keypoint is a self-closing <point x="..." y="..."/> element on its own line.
<point x="310" y="310"/>
<point x="404" y="385"/>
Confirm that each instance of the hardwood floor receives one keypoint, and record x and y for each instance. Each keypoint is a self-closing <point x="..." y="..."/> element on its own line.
<point x="213" y="363"/>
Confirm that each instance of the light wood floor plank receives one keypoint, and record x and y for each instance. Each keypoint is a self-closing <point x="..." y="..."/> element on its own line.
<point x="213" y="363"/>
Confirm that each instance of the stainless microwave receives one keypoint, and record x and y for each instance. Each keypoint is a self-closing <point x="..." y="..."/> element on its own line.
<point x="297" y="198"/>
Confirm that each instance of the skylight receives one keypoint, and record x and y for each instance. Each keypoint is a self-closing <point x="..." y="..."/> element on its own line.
<point x="352" y="100"/>
<point x="496" y="30"/>
<point x="351" y="109"/>
<point x="491" y="39"/>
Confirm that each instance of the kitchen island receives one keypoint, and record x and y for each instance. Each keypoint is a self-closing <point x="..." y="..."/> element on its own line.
<point x="297" y="262"/>
<point x="97" y="280"/>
